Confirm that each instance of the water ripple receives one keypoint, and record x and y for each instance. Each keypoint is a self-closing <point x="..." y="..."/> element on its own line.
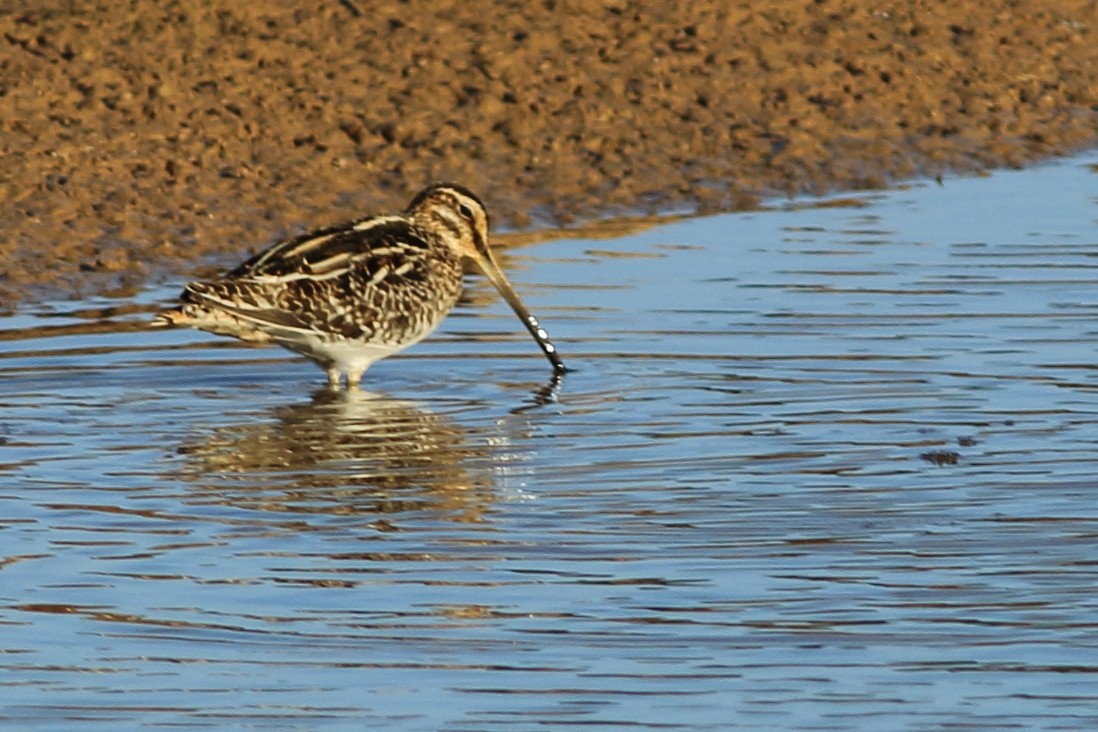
<point x="818" y="467"/>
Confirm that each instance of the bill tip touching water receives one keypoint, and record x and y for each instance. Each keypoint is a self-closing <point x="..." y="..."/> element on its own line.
<point x="347" y="296"/>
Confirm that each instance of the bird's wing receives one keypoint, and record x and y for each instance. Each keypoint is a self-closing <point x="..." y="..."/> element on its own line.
<point x="256" y="305"/>
<point x="325" y="282"/>
<point x="378" y="244"/>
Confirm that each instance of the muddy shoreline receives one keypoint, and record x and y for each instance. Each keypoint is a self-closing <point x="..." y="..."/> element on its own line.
<point x="155" y="138"/>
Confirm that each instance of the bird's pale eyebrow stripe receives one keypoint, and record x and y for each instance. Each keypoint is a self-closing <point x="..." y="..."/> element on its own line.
<point x="452" y="221"/>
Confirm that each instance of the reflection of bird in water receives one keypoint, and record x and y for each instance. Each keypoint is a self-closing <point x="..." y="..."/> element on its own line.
<point x="345" y="453"/>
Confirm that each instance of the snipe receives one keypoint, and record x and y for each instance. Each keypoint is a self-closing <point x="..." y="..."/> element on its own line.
<point x="347" y="296"/>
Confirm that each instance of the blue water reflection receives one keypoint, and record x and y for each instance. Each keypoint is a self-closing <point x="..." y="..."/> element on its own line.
<point x="825" y="466"/>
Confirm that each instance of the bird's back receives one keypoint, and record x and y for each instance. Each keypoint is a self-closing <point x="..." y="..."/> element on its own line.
<point x="378" y="281"/>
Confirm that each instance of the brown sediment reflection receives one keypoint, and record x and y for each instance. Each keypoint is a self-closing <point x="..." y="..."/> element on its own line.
<point x="343" y="453"/>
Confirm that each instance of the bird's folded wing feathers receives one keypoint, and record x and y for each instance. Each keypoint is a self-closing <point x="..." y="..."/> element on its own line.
<point x="372" y="244"/>
<point x="252" y="306"/>
<point x="340" y="266"/>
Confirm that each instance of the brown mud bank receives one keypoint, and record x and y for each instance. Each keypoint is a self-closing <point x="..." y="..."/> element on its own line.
<point x="143" y="137"/>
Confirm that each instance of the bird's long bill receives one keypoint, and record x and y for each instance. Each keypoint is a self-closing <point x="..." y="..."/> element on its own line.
<point x="487" y="264"/>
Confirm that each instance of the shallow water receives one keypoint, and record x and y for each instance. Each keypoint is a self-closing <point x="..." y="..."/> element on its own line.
<point x="826" y="467"/>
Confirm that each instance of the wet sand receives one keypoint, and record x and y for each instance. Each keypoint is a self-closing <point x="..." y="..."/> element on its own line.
<point x="154" y="138"/>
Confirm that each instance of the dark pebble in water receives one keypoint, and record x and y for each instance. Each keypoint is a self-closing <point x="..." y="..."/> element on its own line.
<point x="941" y="457"/>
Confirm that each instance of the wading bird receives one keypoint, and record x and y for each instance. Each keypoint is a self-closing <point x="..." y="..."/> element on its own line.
<point x="347" y="296"/>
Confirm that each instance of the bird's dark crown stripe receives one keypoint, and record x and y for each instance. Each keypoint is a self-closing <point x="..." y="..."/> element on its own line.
<point x="435" y="188"/>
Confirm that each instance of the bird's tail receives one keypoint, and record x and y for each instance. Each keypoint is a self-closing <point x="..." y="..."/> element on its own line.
<point x="190" y="314"/>
<point x="217" y="320"/>
<point x="173" y="318"/>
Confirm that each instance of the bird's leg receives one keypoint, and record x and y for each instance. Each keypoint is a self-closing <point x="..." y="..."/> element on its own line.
<point x="354" y="377"/>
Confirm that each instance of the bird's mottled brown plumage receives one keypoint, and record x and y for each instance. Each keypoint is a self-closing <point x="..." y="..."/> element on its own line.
<point x="347" y="296"/>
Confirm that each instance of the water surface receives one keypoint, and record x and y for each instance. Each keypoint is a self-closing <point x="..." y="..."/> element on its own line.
<point x="830" y="466"/>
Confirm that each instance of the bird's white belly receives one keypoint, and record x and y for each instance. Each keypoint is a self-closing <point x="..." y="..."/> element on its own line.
<point x="348" y="356"/>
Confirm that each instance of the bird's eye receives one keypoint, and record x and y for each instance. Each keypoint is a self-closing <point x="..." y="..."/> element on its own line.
<point x="465" y="211"/>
